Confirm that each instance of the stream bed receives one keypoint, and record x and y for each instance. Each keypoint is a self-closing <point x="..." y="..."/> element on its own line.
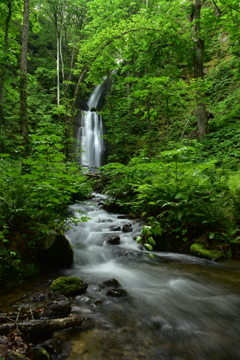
<point x="178" y="307"/>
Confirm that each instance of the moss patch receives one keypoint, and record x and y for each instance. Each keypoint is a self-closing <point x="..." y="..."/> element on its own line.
<point x="67" y="285"/>
<point x="199" y="250"/>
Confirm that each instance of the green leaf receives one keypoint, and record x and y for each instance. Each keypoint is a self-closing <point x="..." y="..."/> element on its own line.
<point x="148" y="247"/>
<point x="138" y="239"/>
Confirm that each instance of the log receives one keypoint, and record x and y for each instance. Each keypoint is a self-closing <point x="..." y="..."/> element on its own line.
<point x="44" y="326"/>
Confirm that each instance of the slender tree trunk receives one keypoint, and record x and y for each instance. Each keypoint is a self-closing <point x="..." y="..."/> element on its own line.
<point x="61" y="55"/>
<point x="81" y="77"/>
<point x="58" y="69"/>
<point x="23" y="77"/>
<point x="109" y="99"/>
<point x="198" y="70"/>
<point x="149" y="130"/>
<point x="3" y="67"/>
<point x="167" y="117"/>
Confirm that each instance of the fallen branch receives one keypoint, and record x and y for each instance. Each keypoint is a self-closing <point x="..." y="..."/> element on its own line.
<point x="44" y="326"/>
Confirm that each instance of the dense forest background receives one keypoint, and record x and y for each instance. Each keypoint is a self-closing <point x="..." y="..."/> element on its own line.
<point x="171" y="116"/>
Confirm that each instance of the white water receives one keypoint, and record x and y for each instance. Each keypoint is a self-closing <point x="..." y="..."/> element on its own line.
<point x="178" y="307"/>
<point x="90" y="133"/>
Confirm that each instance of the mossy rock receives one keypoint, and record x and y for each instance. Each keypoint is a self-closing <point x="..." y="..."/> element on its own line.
<point x="199" y="250"/>
<point x="39" y="353"/>
<point x="69" y="286"/>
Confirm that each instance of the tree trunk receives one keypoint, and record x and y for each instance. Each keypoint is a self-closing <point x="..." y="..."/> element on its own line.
<point x="149" y="130"/>
<point x="58" y="69"/>
<point x="198" y="70"/>
<point x="23" y="77"/>
<point x="2" y="78"/>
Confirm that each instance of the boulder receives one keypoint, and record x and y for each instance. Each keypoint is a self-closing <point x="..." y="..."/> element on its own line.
<point x="83" y="104"/>
<point x="68" y="286"/>
<point x="110" y="283"/>
<point x="56" y="251"/>
<point x="39" y="353"/>
<point x="113" y="240"/>
<point x="57" y="307"/>
<point x="39" y="297"/>
<point x="52" y="346"/>
<point x="127" y="227"/>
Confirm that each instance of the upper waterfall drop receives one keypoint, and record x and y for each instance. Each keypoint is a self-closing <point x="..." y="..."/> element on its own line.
<point x="90" y="133"/>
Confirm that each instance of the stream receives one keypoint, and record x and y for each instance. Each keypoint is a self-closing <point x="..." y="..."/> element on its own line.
<point x="178" y="307"/>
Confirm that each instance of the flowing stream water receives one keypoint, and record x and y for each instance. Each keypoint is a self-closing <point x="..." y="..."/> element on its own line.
<point x="178" y="306"/>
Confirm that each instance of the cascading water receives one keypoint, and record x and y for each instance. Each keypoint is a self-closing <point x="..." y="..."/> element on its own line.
<point x="90" y="133"/>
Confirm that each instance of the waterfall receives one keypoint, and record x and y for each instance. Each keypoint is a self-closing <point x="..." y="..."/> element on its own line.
<point x="91" y="131"/>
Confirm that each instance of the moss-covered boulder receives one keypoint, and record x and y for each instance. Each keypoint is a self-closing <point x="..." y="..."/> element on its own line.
<point x="69" y="286"/>
<point x="39" y="353"/>
<point x="56" y="251"/>
<point x="199" y="250"/>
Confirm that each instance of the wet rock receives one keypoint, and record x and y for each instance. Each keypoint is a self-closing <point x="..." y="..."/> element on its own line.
<point x="13" y="355"/>
<point x="112" y="208"/>
<point x="39" y="353"/>
<point x="122" y="217"/>
<point x="56" y="251"/>
<point x="117" y="293"/>
<point x="39" y="297"/>
<point x="127" y="227"/>
<point x="115" y="228"/>
<point x="52" y="346"/>
<point x="113" y="240"/>
<point x="83" y="105"/>
<point x="110" y="283"/>
<point x="104" y="220"/>
<point x="128" y="254"/>
<point x="58" y="307"/>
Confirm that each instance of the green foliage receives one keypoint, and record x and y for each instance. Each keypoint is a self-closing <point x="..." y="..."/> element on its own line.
<point x="148" y="232"/>
<point x="34" y="194"/>
<point x="183" y="194"/>
<point x="66" y="285"/>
